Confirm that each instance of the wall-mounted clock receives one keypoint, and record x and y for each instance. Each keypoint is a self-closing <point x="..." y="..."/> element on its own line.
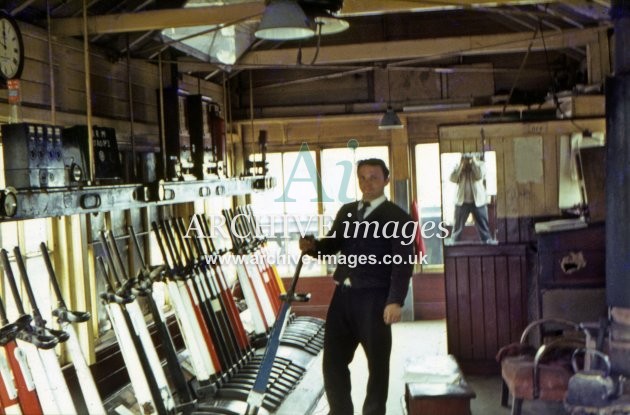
<point x="11" y="48"/>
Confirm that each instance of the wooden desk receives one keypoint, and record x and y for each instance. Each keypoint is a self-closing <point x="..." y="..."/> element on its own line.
<point x="443" y="391"/>
<point x="438" y="398"/>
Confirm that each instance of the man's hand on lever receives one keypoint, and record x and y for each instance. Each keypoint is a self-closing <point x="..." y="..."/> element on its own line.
<point x="307" y="244"/>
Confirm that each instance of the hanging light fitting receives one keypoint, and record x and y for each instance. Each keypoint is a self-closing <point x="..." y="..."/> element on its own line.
<point x="390" y="120"/>
<point x="284" y="20"/>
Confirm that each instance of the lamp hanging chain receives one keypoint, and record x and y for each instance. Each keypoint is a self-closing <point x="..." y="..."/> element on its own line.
<point x="520" y="71"/>
<point x="319" y="41"/>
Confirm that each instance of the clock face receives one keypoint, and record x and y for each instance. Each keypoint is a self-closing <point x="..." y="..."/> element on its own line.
<point x="11" y="49"/>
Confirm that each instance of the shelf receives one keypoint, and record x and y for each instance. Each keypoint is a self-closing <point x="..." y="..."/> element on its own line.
<point x="41" y="203"/>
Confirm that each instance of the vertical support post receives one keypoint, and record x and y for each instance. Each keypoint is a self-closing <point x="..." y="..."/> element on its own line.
<point x="51" y="67"/>
<point x="131" y="114"/>
<point x="618" y="162"/>
<point x="88" y="91"/>
<point x="401" y="182"/>
<point x="399" y="163"/>
<point x="76" y="279"/>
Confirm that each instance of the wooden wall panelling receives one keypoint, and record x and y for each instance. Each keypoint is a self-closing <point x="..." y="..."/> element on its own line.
<point x="594" y="163"/>
<point x="503" y="304"/>
<point x="528" y="233"/>
<point x="110" y="89"/>
<point x="475" y="275"/>
<point x="517" y="278"/>
<point x="486" y="297"/>
<point x="472" y="145"/>
<point x="321" y="290"/>
<point x="589" y="105"/>
<point x="516" y="199"/>
<point x="512" y="230"/>
<point x="429" y="298"/>
<point x="445" y="146"/>
<point x="69" y="257"/>
<point x="496" y="144"/>
<point x="452" y="306"/>
<point x="538" y="195"/>
<point x="510" y="189"/>
<point x="457" y="147"/>
<point x="195" y="86"/>
<point x="400" y="165"/>
<point x="346" y="89"/>
<point x="489" y="290"/>
<point x="551" y="145"/>
<point x="464" y="332"/>
<point x="422" y="129"/>
<point x="467" y="85"/>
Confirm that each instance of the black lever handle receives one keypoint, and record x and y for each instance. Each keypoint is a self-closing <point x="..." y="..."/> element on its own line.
<point x="71" y="316"/>
<point x="38" y="340"/>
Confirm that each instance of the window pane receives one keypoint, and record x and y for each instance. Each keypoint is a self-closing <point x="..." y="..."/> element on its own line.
<point x="449" y="162"/>
<point x="300" y="183"/>
<point x="428" y="193"/>
<point x="290" y="209"/>
<point x="449" y="190"/>
<point x="266" y="202"/>
<point x="339" y="178"/>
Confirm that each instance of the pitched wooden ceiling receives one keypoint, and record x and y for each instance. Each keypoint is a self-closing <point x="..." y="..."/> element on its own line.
<point x="429" y="35"/>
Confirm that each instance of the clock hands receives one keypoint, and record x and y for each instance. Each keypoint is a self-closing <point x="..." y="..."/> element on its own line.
<point x="11" y="53"/>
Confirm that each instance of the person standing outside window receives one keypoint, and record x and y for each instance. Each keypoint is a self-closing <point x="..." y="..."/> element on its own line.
<point x="368" y="297"/>
<point x="469" y="175"/>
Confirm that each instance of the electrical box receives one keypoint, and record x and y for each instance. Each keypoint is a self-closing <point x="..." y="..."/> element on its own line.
<point x="33" y="156"/>
<point x="179" y="157"/>
<point x="107" y="164"/>
<point x="201" y="139"/>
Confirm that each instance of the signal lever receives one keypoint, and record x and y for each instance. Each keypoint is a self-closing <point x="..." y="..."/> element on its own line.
<point x="39" y="322"/>
<point x="25" y="330"/>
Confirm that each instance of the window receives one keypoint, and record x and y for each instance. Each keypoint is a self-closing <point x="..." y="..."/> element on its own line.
<point x="428" y="198"/>
<point x="449" y="162"/>
<point x="339" y="175"/>
<point x="290" y="209"/>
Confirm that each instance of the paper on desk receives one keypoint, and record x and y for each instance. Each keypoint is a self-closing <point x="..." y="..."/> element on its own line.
<point x="431" y="369"/>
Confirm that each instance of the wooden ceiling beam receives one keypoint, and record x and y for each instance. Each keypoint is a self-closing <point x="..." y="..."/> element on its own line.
<point x="228" y="14"/>
<point x="158" y="19"/>
<point x="426" y="49"/>
<point x="367" y="7"/>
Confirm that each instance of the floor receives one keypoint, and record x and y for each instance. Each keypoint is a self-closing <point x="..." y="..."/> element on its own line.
<point x="428" y="338"/>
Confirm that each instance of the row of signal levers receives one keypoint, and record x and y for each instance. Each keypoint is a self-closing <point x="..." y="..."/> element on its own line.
<point x="224" y="361"/>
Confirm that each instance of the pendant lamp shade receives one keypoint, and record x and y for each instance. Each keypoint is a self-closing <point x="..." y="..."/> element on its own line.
<point x="284" y="20"/>
<point x="330" y="24"/>
<point x="390" y="120"/>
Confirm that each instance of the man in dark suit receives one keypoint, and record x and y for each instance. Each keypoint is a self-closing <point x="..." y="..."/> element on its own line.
<point x="372" y="279"/>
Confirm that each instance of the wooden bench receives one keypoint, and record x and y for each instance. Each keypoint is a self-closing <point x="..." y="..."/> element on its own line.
<point x="444" y="393"/>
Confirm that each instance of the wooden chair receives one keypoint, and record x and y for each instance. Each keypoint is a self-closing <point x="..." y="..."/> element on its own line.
<point x="542" y="371"/>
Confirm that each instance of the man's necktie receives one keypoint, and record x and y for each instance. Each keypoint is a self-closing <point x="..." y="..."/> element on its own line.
<point x="361" y="211"/>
